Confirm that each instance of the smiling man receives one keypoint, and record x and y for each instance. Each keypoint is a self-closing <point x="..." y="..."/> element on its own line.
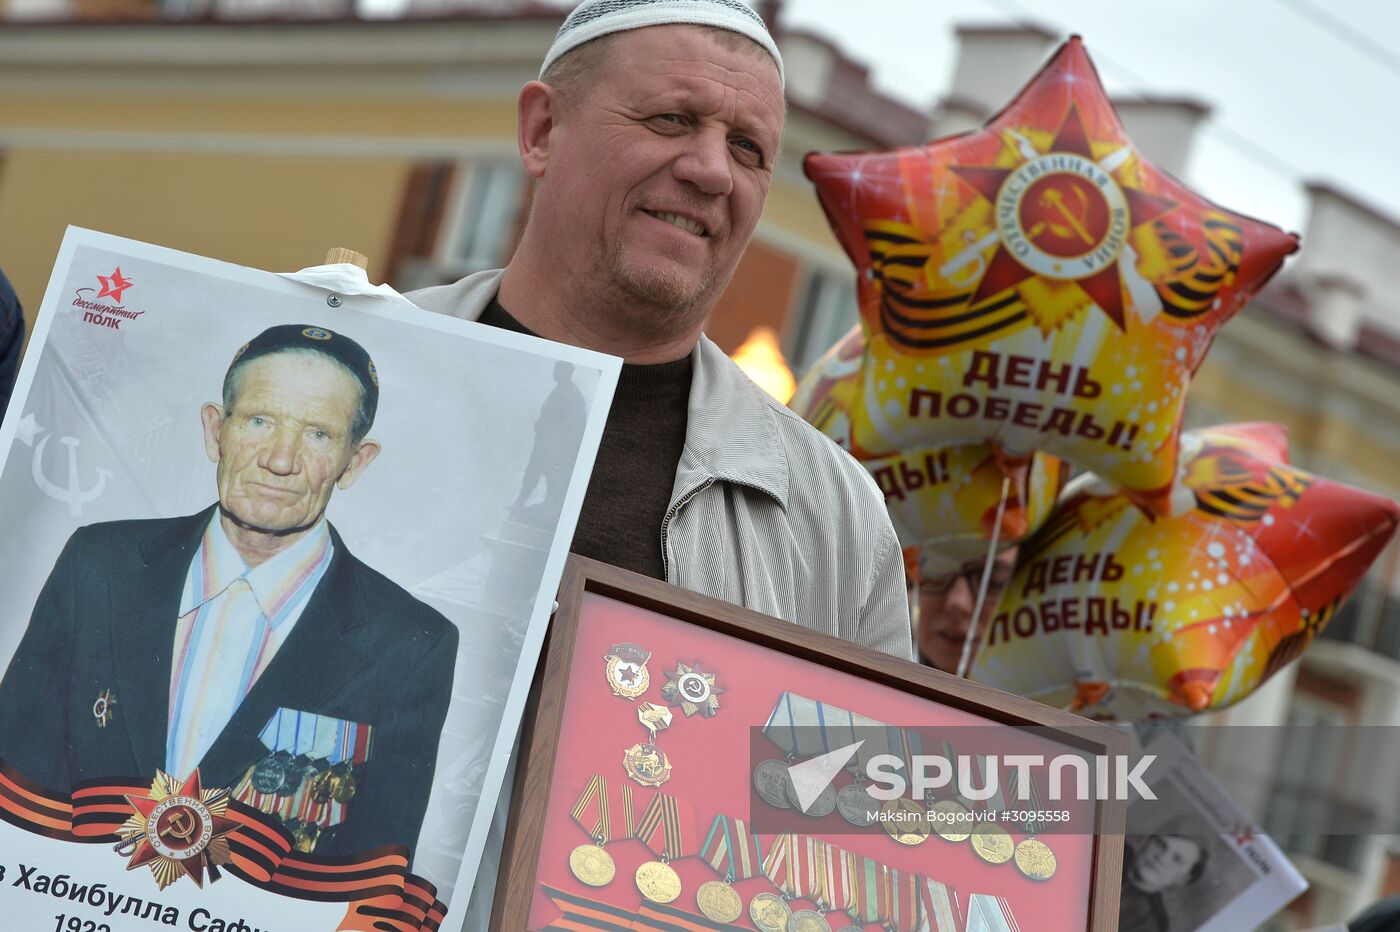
<point x="652" y="138"/>
<point x="246" y="640"/>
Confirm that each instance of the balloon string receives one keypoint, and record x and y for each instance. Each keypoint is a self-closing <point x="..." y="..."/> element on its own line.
<point x="972" y="633"/>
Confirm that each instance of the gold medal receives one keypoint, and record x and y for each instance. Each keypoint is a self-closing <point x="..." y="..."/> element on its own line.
<point x="343" y="788"/>
<point x="627" y="670"/>
<point x="305" y="836"/>
<point x="658" y="882"/>
<point x="770" y="912"/>
<point x="992" y="843"/>
<point x="1035" y="859"/>
<point x="905" y="821"/>
<point x="808" y="920"/>
<point x="654" y="718"/>
<point x="592" y="865"/>
<point x="951" y="820"/>
<point x="719" y="901"/>
<point x="647" y="764"/>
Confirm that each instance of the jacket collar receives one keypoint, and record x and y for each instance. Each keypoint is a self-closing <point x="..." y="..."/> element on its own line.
<point x="731" y="430"/>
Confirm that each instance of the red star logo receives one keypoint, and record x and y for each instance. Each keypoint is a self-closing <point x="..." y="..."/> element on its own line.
<point x="1064" y="217"/>
<point x="178" y="819"/>
<point x="113" y="285"/>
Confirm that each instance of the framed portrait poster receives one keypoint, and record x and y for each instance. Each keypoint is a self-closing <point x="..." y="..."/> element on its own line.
<point x="277" y="566"/>
<point x="693" y="765"/>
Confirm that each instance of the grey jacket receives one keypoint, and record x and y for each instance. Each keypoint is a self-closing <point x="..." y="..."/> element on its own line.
<point x="766" y="512"/>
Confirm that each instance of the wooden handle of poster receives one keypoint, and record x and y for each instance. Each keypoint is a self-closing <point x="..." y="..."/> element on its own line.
<point x="341" y="254"/>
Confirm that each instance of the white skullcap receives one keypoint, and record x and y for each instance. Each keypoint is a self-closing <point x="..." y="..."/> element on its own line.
<point x="592" y="19"/>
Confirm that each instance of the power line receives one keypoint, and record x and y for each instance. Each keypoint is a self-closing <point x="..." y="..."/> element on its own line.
<point x="1358" y="40"/>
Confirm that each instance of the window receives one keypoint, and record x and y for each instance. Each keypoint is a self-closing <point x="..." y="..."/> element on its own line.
<point x="828" y="310"/>
<point x="487" y="212"/>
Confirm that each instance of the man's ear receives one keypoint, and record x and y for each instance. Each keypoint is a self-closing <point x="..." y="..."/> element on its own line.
<point x="537" y="115"/>
<point x="213" y="417"/>
<point x="364" y="455"/>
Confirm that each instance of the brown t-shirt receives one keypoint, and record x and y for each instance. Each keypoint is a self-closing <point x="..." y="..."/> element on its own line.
<point x="636" y="467"/>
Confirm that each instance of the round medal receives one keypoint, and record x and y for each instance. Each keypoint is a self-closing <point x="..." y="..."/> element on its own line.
<point x="719" y="901"/>
<point x="343" y="789"/>
<point x="269" y="774"/>
<point x="647" y="764"/>
<point x="770" y="912"/>
<point x="592" y="865"/>
<point x="770" y="779"/>
<point x="658" y="882"/>
<point x="808" y="920"/>
<point x="823" y="805"/>
<point x="991" y="843"/>
<point x="905" y="821"/>
<point x="1035" y="859"/>
<point x="856" y="805"/>
<point x="951" y="820"/>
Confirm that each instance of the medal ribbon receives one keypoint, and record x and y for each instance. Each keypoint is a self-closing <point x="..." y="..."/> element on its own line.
<point x="939" y="910"/>
<point x="871" y="893"/>
<point x="732" y="845"/>
<point x="594" y="812"/>
<point x="777" y="863"/>
<point x="668" y="824"/>
<point x="821" y="872"/>
<point x="904" y="907"/>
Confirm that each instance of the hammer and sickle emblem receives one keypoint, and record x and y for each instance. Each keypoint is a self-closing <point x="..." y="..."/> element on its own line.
<point x="1054" y="199"/>
<point x="181" y="825"/>
<point x="73" y="494"/>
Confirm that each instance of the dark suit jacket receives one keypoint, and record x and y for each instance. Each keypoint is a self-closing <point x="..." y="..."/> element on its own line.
<point x="363" y="650"/>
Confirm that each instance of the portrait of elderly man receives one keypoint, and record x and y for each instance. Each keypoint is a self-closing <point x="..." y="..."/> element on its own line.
<point x="246" y="640"/>
<point x="651" y="138"/>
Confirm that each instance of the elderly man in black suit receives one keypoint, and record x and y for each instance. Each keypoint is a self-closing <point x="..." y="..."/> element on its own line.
<point x="246" y="640"/>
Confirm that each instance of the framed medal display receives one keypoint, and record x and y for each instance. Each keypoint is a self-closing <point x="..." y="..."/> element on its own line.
<point x="688" y="764"/>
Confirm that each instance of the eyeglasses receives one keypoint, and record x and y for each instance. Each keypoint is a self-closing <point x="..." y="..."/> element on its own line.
<point x="972" y="575"/>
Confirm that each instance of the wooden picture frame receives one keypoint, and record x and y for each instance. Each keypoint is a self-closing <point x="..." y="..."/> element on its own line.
<point x="541" y="732"/>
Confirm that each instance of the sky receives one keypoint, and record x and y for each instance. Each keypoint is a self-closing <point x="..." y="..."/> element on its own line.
<point x="1300" y="90"/>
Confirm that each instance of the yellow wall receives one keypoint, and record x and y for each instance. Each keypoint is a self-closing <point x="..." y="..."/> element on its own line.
<point x="352" y="115"/>
<point x="276" y="213"/>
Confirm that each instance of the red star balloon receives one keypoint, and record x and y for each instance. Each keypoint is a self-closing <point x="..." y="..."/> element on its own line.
<point x="1124" y="617"/>
<point x="1038" y="284"/>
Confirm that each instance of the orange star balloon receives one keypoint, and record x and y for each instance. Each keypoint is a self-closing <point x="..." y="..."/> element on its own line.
<point x="942" y="500"/>
<point x="1120" y="616"/>
<point x="1038" y="284"/>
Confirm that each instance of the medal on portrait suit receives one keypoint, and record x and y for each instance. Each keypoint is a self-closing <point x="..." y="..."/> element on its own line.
<point x="308" y="778"/>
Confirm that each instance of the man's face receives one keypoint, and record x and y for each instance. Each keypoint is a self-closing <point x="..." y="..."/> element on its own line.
<point x="286" y="443"/>
<point x="659" y="164"/>
<point x="1164" y="861"/>
<point x="946" y="604"/>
